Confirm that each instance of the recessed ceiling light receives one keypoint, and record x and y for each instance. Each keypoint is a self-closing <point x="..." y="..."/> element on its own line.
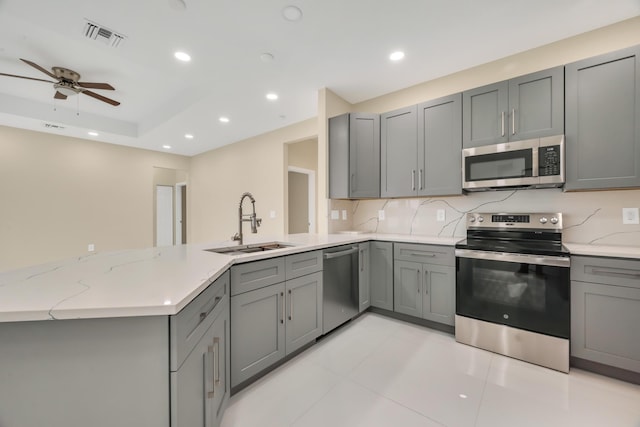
<point x="292" y="13"/>
<point x="166" y="147"/>
<point x="463" y="396"/>
<point x="182" y="56"/>
<point x="272" y="96"/>
<point x="188" y="136"/>
<point x="223" y="119"/>
<point x="396" y="56"/>
<point x="92" y="133"/>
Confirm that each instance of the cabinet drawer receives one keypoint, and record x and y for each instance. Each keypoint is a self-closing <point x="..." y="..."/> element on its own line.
<point x="302" y="264"/>
<point x="609" y="271"/>
<point x="191" y="323"/>
<point x="431" y="254"/>
<point x="255" y="275"/>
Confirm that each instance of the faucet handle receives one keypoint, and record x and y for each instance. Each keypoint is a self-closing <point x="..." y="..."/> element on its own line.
<point x="258" y="221"/>
<point x="235" y="237"/>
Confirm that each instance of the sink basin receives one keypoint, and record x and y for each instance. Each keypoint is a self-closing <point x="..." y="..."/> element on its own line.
<point x="248" y="249"/>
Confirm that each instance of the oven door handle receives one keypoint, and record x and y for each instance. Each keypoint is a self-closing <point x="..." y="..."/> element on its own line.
<point x="553" y="261"/>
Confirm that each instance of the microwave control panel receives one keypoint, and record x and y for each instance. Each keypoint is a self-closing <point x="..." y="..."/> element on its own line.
<point x="549" y="160"/>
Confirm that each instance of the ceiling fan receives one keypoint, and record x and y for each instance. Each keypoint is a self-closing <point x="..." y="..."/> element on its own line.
<point x="67" y="83"/>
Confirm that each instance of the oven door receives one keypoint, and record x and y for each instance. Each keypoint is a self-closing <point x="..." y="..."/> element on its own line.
<point x="528" y="292"/>
<point x="501" y="165"/>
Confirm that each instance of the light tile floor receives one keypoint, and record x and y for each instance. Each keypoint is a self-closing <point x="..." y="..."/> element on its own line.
<point x="379" y="372"/>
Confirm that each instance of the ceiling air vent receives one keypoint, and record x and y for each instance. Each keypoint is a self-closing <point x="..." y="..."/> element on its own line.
<point x="103" y="34"/>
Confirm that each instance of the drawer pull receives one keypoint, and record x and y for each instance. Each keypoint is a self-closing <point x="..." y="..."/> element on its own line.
<point x="430" y="255"/>
<point x="204" y="314"/>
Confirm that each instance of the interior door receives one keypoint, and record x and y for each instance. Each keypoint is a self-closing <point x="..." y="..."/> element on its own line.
<point x="164" y="215"/>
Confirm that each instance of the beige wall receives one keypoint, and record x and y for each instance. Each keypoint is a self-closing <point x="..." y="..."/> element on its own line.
<point x="59" y="194"/>
<point x="257" y="165"/>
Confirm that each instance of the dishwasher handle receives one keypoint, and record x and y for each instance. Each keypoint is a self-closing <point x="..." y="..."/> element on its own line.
<point x="331" y="255"/>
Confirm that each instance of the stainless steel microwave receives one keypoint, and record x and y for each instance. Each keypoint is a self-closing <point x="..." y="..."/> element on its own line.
<point x="534" y="163"/>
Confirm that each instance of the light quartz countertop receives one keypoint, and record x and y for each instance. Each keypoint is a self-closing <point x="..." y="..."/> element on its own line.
<point x="162" y="281"/>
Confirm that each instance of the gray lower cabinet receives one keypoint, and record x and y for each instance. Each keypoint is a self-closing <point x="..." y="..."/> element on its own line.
<point x="364" y="276"/>
<point x="354" y="156"/>
<point x="530" y="106"/>
<point x="603" y="121"/>
<point x="424" y="289"/>
<point x="272" y="321"/>
<point x="381" y="274"/>
<point x="605" y="311"/>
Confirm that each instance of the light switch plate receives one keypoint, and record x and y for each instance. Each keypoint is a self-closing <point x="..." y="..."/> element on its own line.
<point x="344" y="215"/>
<point x="91" y="247"/>
<point x="440" y="215"/>
<point x="335" y="214"/>
<point x="630" y="216"/>
<point x="381" y="215"/>
<point x="272" y="214"/>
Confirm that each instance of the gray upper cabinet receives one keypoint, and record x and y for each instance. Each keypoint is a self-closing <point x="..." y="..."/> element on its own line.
<point x="530" y="106"/>
<point x="354" y="156"/>
<point x="603" y="121"/>
<point x="421" y="149"/>
<point x="439" y="146"/>
<point x="381" y="274"/>
<point x="399" y="148"/>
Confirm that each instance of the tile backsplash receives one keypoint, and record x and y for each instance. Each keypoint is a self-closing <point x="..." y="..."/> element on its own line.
<point x="589" y="217"/>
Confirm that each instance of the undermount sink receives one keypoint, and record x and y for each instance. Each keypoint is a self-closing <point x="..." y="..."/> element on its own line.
<point x="248" y="249"/>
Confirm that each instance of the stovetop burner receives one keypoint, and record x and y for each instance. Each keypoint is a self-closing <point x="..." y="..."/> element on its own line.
<point x="537" y="233"/>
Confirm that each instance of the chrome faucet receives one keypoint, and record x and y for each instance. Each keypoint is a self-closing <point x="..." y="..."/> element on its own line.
<point x="255" y="222"/>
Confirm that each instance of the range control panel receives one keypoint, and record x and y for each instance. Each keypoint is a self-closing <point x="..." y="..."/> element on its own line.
<point x="545" y="221"/>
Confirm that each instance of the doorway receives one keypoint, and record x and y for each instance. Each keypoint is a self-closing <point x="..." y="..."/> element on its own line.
<point x="301" y="198"/>
<point x="164" y="215"/>
<point x="181" y="213"/>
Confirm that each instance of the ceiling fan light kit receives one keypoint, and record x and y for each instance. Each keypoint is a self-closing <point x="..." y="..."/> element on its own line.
<point x="68" y="83"/>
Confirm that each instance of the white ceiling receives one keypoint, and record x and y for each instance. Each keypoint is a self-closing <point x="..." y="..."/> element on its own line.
<point x="339" y="44"/>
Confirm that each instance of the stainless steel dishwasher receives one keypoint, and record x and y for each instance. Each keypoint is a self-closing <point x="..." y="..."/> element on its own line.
<point x="340" y="286"/>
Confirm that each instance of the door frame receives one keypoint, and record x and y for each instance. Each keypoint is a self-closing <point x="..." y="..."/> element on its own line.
<point x="311" y="174"/>
<point x="178" y="215"/>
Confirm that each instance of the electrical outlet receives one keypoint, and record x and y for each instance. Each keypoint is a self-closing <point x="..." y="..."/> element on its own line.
<point x="381" y="215"/>
<point x="344" y="215"/>
<point x="335" y="214"/>
<point x="91" y="247"/>
<point x="630" y="216"/>
<point x="440" y="215"/>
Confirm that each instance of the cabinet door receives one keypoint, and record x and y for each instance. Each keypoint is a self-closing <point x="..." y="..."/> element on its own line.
<point x="407" y="287"/>
<point x="399" y="147"/>
<point x="339" y="157"/>
<point x="604" y="320"/>
<point x="440" y="146"/>
<point x="603" y="121"/>
<point x="364" y="278"/>
<point x="304" y="310"/>
<point x="439" y="295"/>
<point x="257" y="331"/>
<point x="485" y="115"/>
<point x="199" y="388"/>
<point x="536" y="105"/>
<point x="381" y="274"/>
<point x="364" y="155"/>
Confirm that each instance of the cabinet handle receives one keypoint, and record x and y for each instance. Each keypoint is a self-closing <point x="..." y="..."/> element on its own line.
<point x="290" y="305"/>
<point x="420" y="179"/>
<point x="426" y="282"/>
<point x="211" y="388"/>
<point x="413" y="180"/>
<point x="513" y="121"/>
<point x="361" y="260"/>
<point x="282" y="297"/>
<point x="502" y="124"/>
<point x="418" y="271"/>
<point x="204" y="314"/>
<point x="353" y="175"/>
<point x="216" y="362"/>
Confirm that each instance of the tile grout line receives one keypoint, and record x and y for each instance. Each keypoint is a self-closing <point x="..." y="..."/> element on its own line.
<point x="484" y="387"/>
<point x="306" y="411"/>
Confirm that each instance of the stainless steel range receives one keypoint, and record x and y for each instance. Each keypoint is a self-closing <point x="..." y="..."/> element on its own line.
<point x="512" y="287"/>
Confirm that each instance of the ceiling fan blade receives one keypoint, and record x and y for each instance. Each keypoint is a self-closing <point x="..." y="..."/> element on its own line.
<point x="59" y="95"/>
<point x="105" y="86"/>
<point x="101" y="98"/>
<point x="23" y="77"/>
<point x="37" y="67"/>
